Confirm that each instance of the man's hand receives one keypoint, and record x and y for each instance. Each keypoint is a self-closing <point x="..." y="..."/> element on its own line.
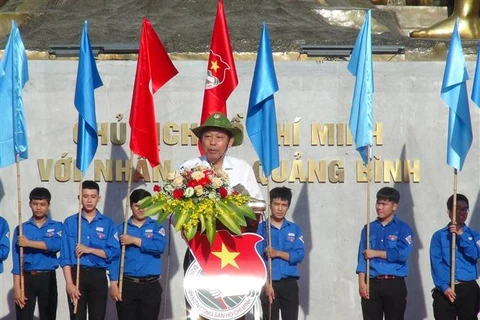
<point x="450" y="294"/>
<point x="23" y="241"/>
<point x="73" y="293"/>
<point x="81" y="249"/>
<point x="271" y="253"/>
<point x="126" y="239"/>
<point x="363" y="290"/>
<point x="115" y="291"/>
<point x="455" y="228"/>
<point x="270" y="293"/>
<point x="19" y="298"/>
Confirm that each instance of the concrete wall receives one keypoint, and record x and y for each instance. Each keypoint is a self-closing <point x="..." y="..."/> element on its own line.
<point x="410" y="114"/>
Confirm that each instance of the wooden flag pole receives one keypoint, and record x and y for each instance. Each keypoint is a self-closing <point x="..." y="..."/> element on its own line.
<point x="368" y="215"/>
<point x="20" y="226"/>
<point x="79" y="240"/>
<point x="269" y="244"/>
<point x="454" y="235"/>
<point x="125" y="219"/>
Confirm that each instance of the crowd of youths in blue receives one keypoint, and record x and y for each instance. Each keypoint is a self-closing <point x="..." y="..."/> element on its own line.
<point x="42" y="239"/>
<point x="391" y="242"/>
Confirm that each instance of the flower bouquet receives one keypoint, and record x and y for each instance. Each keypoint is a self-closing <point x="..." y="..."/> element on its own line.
<point x="197" y="197"/>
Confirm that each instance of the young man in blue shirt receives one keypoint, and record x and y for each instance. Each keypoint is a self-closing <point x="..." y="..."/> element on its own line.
<point x="463" y="302"/>
<point x="145" y="241"/>
<point x="98" y="246"/>
<point x="391" y="242"/>
<point x="4" y="242"/>
<point x="40" y="241"/>
<point x="286" y="250"/>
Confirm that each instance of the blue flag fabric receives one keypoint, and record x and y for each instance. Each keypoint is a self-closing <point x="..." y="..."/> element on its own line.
<point x="88" y="80"/>
<point x="261" y="118"/>
<point x="13" y="77"/>
<point x="361" y="66"/>
<point x="476" y="80"/>
<point x="454" y="93"/>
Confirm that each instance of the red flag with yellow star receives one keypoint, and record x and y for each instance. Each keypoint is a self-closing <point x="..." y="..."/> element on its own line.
<point x="229" y="254"/>
<point x="221" y="73"/>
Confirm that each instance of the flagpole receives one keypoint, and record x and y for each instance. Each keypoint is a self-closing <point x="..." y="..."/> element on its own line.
<point x="368" y="215"/>
<point x="454" y="235"/>
<point x="125" y="218"/>
<point x="20" y="226"/>
<point x="79" y="240"/>
<point x="269" y="244"/>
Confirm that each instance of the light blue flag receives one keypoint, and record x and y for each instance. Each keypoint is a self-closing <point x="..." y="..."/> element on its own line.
<point x="88" y="80"/>
<point x="454" y="93"/>
<point x="13" y="77"/>
<point x="361" y="66"/>
<point x="476" y="80"/>
<point x="261" y="118"/>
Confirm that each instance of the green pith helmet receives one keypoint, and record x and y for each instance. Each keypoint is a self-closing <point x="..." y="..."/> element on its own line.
<point x="220" y="121"/>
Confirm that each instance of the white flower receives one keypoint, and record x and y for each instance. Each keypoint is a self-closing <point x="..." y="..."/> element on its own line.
<point x="217" y="182"/>
<point x="198" y="190"/>
<point x="178" y="181"/>
<point x="212" y="195"/>
<point x="197" y="175"/>
<point x="168" y="188"/>
<point x="188" y="192"/>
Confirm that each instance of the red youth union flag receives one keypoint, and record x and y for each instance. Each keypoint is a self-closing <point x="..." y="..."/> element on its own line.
<point x="229" y="254"/>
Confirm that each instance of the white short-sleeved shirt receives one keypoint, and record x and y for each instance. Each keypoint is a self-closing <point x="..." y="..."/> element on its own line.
<point x="239" y="172"/>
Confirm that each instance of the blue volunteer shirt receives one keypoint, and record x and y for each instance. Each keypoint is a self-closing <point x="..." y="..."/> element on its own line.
<point x="396" y="238"/>
<point x="141" y="261"/>
<point x="35" y="259"/>
<point x="289" y="238"/>
<point x="4" y="242"/>
<point x="466" y="255"/>
<point x="99" y="234"/>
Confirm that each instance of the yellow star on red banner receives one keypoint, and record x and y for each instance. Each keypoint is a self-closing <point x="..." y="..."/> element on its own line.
<point x="226" y="257"/>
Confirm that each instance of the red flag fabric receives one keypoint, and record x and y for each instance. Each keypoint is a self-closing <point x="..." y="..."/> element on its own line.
<point x="221" y="72"/>
<point x="228" y="254"/>
<point x="154" y="69"/>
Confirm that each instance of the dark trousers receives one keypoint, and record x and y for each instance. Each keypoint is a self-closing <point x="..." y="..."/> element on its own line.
<point x="286" y="300"/>
<point x="94" y="290"/>
<point x="465" y="306"/>
<point x="42" y="285"/>
<point x="387" y="297"/>
<point x="140" y="301"/>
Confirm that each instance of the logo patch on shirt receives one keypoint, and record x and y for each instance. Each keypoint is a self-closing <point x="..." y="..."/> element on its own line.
<point x="50" y="232"/>
<point x="100" y="229"/>
<point x="100" y="235"/>
<point x="291" y="236"/>
<point x="392" y="237"/>
<point x="409" y="239"/>
<point x="162" y="231"/>
<point x="470" y="238"/>
<point x="149" y="233"/>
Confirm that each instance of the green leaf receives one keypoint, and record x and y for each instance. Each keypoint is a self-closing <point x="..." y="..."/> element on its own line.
<point x="181" y="217"/>
<point x="225" y="218"/>
<point x="210" y="228"/>
<point x="248" y="212"/>
<point x="190" y="233"/>
<point x="162" y="216"/>
<point x="201" y="219"/>
<point x="146" y="202"/>
<point x="155" y="208"/>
